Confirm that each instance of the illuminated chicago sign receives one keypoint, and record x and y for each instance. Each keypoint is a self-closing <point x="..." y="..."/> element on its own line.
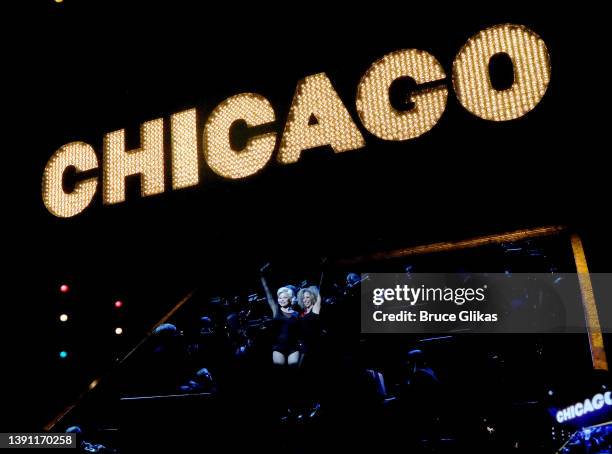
<point x="579" y="409"/>
<point x="315" y="97"/>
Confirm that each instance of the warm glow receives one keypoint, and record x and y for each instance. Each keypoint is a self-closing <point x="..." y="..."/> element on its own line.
<point x="317" y="117"/>
<point x="531" y="66"/>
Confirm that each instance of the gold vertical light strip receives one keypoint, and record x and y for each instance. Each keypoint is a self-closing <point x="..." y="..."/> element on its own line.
<point x="148" y="161"/>
<point x="598" y="353"/>
<point x="316" y="97"/>
<point x="82" y="157"/>
<point x="374" y="105"/>
<point x="255" y="110"/>
<point x="531" y="66"/>
<point x="184" y="143"/>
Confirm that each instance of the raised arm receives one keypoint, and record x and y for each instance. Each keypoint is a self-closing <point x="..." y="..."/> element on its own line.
<point x="316" y="308"/>
<point x="271" y="301"/>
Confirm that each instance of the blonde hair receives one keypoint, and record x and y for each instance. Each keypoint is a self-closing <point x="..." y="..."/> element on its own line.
<point x="313" y="290"/>
<point x="286" y="290"/>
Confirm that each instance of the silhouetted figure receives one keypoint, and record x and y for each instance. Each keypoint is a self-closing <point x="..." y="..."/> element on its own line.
<point x="419" y="401"/>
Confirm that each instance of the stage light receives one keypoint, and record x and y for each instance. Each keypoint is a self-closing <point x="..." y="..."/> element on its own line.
<point x="63" y="354"/>
<point x="550" y="392"/>
<point x="118" y="331"/>
<point x="64" y="288"/>
<point x="63" y="318"/>
<point x="317" y="117"/>
<point x="93" y="384"/>
<point x="59" y="1"/>
<point x="374" y="105"/>
<point x="531" y="67"/>
<point x="82" y="158"/>
<point x="316" y="97"/>
<point x="118" y="304"/>
<point x="254" y="110"/>
<point x="184" y="140"/>
<point x="146" y="161"/>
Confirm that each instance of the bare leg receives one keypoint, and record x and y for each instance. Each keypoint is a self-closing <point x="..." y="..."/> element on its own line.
<point x="294" y="359"/>
<point x="278" y="358"/>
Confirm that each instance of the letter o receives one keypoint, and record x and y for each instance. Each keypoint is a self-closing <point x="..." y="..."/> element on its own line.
<point x="531" y="65"/>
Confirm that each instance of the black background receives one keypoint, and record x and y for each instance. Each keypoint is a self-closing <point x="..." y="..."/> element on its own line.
<point x="83" y="69"/>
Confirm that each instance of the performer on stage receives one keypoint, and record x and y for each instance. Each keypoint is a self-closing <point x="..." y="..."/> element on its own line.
<point x="309" y="300"/>
<point x="285" y="349"/>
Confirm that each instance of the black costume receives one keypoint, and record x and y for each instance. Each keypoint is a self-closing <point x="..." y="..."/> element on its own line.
<point x="286" y="327"/>
<point x="310" y="331"/>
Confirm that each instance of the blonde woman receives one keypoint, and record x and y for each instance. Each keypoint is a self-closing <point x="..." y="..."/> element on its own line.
<point x="285" y="349"/>
<point x="309" y="300"/>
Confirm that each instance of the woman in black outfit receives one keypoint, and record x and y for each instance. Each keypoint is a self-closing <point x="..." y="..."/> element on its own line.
<point x="309" y="300"/>
<point x="309" y="383"/>
<point x="286" y="348"/>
